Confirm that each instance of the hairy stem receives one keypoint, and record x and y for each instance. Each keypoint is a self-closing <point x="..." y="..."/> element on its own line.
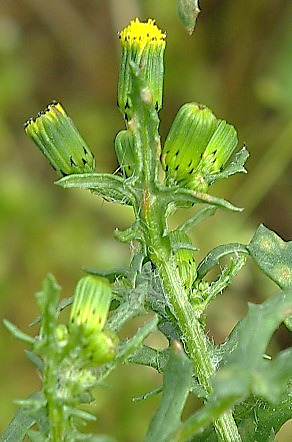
<point x="192" y="333"/>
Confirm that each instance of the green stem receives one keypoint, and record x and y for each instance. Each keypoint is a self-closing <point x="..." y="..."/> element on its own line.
<point x="54" y="412"/>
<point x="152" y="215"/>
<point x="192" y="334"/>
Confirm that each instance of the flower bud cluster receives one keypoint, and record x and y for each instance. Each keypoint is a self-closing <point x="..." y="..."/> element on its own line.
<point x="197" y="146"/>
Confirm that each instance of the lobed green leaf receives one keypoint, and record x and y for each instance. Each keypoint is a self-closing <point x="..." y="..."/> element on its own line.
<point x="260" y="420"/>
<point x="24" y="419"/>
<point x="272" y="255"/>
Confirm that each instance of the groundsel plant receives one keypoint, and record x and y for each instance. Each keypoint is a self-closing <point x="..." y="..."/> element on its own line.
<point x="246" y="395"/>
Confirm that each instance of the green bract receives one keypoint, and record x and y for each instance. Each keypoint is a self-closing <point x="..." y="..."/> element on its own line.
<point x="183" y="252"/>
<point x="126" y="152"/>
<point x="59" y="140"/>
<point x="197" y="146"/>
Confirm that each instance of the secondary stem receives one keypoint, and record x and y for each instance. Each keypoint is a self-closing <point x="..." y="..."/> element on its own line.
<point x="196" y="344"/>
<point x="192" y="334"/>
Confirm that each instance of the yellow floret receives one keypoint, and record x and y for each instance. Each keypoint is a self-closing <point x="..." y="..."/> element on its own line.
<point x="141" y="34"/>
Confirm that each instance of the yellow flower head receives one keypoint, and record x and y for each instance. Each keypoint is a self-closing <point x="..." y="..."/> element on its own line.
<point x="142" y="44"/>
<point x="141" y="34"/>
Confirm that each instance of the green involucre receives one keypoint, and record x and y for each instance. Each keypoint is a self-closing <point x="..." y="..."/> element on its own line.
<point x="88" y="316"/>
<point x="198" y="145"/>
<point x="59" y="140"/>
<point x="91" y="303"/>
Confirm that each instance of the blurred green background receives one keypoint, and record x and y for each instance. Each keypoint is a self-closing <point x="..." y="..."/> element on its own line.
<point x="238" y="62"/>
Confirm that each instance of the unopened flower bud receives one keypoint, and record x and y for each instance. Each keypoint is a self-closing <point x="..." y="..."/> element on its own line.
<point x="198" y="146"/>
<point x="57" y="137"/>
<point x="220" y="147"/>
<point x="88" y="316"/>
<point x="186" y="141"/>
<point x="91" y="303"/>
<point x="101" y="347"/>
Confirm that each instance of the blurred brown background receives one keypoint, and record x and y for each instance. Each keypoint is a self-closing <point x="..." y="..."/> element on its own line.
<point x="238" y="62"/>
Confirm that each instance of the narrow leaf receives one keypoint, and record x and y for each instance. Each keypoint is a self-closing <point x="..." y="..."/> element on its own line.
<point x="200" y="420"/>
<point x="130" y="346"/>
<point x="150" y="357"/>
<point x="34" y="359"/>
<point x="136" y="341"/>
<point x="106" y="185"/>
<point x="197" y="218"/>
<point x="236" y="166"/>
<point x="213" y="257"/>
<point x="180" y="197"/>
<point x="176" y="386"/>
<point x="17" y="333"/>
<point x="81" y="437"/>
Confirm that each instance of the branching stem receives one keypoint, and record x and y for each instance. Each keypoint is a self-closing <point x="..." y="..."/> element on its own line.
<point x="192" y="333"/>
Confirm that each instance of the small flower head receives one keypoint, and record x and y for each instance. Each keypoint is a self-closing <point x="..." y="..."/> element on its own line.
<point x="198" y="145"/>
<point x="91" y="303"/>
<point x="88" y="316"/>
<point x="143" y="44"/>
<point x="100" y="348"/>
<point x="57" y="137"/>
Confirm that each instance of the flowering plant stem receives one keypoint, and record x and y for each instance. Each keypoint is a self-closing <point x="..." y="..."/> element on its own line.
<point x="152" y="216"/>
<point x="163" y="276"/>
<point x="196" y="346"/>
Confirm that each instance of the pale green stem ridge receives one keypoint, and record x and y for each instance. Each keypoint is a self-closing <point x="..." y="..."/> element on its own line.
<point x="195" y="343"/>
<point x="192" y="334"/>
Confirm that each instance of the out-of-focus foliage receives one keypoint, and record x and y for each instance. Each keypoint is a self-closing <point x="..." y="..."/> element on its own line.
<point x="237" y="62"/>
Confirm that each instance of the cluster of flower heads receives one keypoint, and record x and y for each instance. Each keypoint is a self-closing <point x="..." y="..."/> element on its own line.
<point x="198" y="144"/>
<point x="197" y="147"/>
